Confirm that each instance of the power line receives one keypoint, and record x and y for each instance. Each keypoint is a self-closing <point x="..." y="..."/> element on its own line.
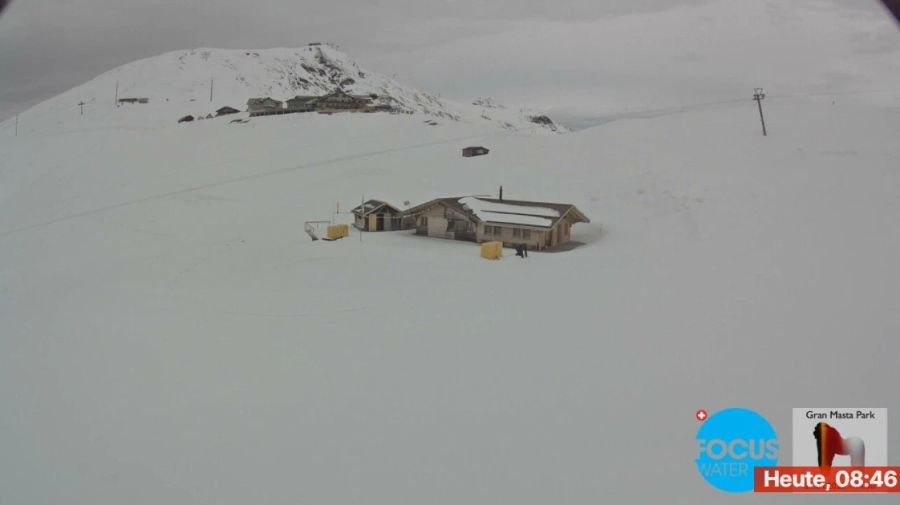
<point x="845" y="92"/>
<point x="671" y="109"/>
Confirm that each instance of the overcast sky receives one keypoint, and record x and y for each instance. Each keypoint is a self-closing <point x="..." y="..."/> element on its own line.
<point x="575" y="58"/>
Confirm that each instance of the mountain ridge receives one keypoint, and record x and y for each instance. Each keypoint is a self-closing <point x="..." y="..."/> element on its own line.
<point x="199" y="81"/>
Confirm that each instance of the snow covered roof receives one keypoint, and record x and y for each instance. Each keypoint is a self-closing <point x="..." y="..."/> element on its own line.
<point x="519" y="212"/>
<point x="371" y="206"/>
<point x="262" y="101"/>
<point x="489" y="211"/>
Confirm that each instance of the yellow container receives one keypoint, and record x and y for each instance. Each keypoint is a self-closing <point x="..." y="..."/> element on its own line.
<point x="492" y="250"/>
<point x="336" y="231"/>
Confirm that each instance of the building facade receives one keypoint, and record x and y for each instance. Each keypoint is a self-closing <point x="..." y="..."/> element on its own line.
<point x="538" y="225"/>
<point x="301" y="103"/>
<point x="264" y="106"/>
<point x="340" y="100"/>
<point x="376" y="215"/>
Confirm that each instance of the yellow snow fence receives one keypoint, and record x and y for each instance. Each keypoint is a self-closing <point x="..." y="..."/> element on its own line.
<point x="492" y="250"/>
<point x="336" y="231"/>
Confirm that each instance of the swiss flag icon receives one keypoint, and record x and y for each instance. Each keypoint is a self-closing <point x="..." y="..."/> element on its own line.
<point x="701" y="415"/>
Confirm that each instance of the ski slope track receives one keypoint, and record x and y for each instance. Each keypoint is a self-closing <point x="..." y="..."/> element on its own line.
<point x="170" y="334"/>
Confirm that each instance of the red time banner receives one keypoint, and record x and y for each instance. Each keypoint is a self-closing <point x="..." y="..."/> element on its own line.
<point x="836" y="479"/>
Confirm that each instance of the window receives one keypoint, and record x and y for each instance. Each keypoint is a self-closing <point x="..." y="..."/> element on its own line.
<point x="424" y="220"/>
<point x="526" y="233"/>
<point x="517" y="233"/>
<point x="492" y="230"/>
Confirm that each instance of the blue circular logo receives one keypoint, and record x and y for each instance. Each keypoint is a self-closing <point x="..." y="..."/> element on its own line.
<point x="730" y="444"/>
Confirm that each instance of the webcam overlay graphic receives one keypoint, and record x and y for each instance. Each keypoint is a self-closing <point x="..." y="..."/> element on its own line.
<point x="730" y="444"/>
<point x="834" y="450"/>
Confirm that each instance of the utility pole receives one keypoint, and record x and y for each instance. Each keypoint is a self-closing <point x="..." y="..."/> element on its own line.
<point x="17" y="126"/>
<point x="116" y="102"/>
<point x="759" y="95"/>
<point x="81" y="104"/>
<point x="210" y="89"/>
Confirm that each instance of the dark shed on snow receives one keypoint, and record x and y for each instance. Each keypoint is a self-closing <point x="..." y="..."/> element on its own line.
<point x="186" y="119"/>
<point x="470" y="151"/>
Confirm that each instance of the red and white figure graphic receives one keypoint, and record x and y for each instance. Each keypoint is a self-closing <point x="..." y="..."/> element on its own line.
<point x="829" y="437"/>
<point x="701" y="415"/>
<point x="830" y="443"/>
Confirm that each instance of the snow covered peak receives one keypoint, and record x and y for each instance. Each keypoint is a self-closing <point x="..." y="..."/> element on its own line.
<point x="198" y="82"/>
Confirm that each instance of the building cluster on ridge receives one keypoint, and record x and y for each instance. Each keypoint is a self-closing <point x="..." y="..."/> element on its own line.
<point x="336" y="101"/>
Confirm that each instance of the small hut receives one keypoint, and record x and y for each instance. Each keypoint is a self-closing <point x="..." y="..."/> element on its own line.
<point x="376" y="215"/>
<point x="186" y="119"/>
<point x="224" y="111"/>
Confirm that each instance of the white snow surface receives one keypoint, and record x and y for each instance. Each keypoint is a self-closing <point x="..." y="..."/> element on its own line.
<point x="171" y="335"/>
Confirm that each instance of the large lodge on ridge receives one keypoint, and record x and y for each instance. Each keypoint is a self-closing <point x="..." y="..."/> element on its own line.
<point x="336" y="101"/>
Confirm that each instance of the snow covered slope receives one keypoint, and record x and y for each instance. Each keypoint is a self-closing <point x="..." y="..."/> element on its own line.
<point x="171" y="335"/>
<point x="179" y="83"/>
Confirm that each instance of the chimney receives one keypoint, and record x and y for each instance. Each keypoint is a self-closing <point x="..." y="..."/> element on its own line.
<point x="501" y="193"/>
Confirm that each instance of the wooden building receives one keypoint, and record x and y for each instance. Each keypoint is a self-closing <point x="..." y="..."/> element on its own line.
<point x="301" y="103"/>
<point x="470" y="151"/>
<point x="340" y="100"/>
<point x="224" y="111"/>
<point x="376" y="215"/>
<point x="264" y="107"/>
<point x="538" y="225"/>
